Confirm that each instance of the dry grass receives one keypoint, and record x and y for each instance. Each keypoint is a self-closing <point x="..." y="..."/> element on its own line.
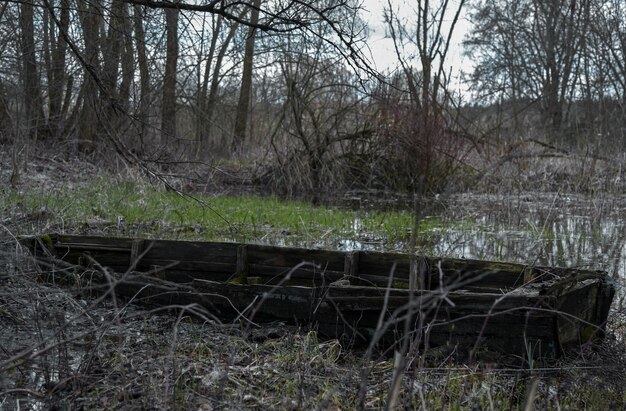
<point x="62" y="348"/>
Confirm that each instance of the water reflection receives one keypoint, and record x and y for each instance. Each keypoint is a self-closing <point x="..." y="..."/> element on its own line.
<point x="537" y="229"/>
<point x="568" y="231"/>
<point x="547" y="229"/>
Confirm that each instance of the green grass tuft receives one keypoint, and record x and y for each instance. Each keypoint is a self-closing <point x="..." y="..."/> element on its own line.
<point x="135" y="209"/>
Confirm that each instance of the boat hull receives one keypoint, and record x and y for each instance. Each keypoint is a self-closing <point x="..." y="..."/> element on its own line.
<point x="360" y="297"/>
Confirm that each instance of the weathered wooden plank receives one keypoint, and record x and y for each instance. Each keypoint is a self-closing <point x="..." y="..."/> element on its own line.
<point x="577" y="320"/>
<point x="105" y="258"/>
<point x="242" y="268"/>
<point x="445" y="271"/>
<point x="415" y="282"/>
<point x="198" y="267"/>
<point x="305" y="272"/>
<point x="476" y="273"/>
<point x="462" y="304"/>
<point x="480" y="273"/>
<point x="466" y="335"/>
<point x="290" y="257"/>
<point x="286" y="303"/>
<point x="382" y="264"/>
<point x="462" y="301"/>
<point x="91" y="242"/>
<point x="186" y="276"/>
<point x="376" y="281"/>
<point x="351" y="266"/>
<point x="136" y="250"/>
<point x="193" y="250"/>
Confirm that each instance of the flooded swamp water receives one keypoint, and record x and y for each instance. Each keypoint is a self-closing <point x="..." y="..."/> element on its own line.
<point x="535" y="229"/>
<point x="551" y="229"/>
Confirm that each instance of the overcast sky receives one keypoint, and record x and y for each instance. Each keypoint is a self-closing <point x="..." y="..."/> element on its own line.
<point x="382" y="48"/>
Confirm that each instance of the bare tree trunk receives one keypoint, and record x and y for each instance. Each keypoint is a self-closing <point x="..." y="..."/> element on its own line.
<point x="49" y="42"/>
<point x="112" y="48"/>
<point x="5" y="117"/>
<point x="88" y="121"/>
<point x="57" y="74"/>
<point x="553" y="108"/>
<point x="201" y="130"/>
<point x="243" y="106"/>
<point x="144" y="75"/>
<point x="168" y="108"/>
<point x="128" y="60"/>
<point x="432" y="41"/>
<point x="32" y="93"/>
<point x="6" y="129"/>
<point x="215" y="79"/>
<point x="119" y="46"/>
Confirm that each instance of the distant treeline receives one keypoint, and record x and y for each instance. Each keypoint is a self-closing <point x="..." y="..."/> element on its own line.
<point x="291" y="85"/>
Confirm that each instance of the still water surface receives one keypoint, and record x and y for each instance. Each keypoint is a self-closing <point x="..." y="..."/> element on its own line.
<point x="544" y="229"/>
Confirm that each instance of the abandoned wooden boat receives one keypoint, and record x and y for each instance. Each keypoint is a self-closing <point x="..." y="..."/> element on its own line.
<point x="359" y="296"/>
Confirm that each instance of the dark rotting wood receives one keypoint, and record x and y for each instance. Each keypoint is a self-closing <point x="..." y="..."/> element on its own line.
<point x="502" y="306"/>
<point x="529" y="275"/>
<point x="415" y="282"/>
<point x="135" y="251"/>
<point x="424" y="277"/>
<point x="351" y="265"/>
<point x="419" y="278"/>
<point x="290" y="257"/>
<point x="242" y="266"/>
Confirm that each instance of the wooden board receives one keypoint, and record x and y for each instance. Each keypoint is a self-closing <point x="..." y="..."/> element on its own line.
<point x="471" y="303"/>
